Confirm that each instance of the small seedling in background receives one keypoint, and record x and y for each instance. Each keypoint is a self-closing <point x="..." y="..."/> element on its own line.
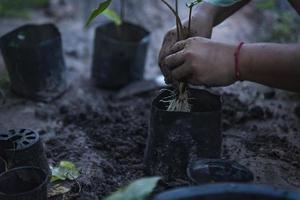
<point x="179" y="102"/>
<point x="64" y="171"/>
<point x="110" y="14"/>
<point x="138" y="190"/>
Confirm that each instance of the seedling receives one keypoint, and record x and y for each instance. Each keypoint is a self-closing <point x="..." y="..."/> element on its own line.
<point x="179" y="102"/>
<point x="138" y="190"/>
<point x="110" y="14"/>
<point x="64" y="171"/>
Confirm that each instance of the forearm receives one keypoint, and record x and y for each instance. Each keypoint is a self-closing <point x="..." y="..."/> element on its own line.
<point x="276" y="65"/>
<point x="296" y="5"/>
<point x="217" y="13"/>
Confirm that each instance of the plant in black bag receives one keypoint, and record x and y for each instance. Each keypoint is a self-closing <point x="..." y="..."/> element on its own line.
<point x="178" y="101"/>
<point x="120" y="49"/>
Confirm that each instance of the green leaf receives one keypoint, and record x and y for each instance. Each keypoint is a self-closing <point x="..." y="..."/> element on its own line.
<point x="266" y="4"/>
<point x="98" y="11"/>
<point x="113" y="16"/>
<point x="192" y="3"/>
<point x="138" y="190"/>
<point x="64" y="171"/>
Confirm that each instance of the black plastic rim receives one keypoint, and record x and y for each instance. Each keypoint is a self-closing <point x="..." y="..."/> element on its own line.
<point x="26" y="168"/>
<point x="227" y="188"/>
<point x="17" y="33"/>
<point x="20" y="138"/>
<point x="216" y="162"/>
<point x="113" y="40"/>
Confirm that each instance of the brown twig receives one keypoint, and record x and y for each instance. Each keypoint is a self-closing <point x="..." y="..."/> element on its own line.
<point x="178" y="20"/>
<point x="122" y="10"/>
<point x="190" y="21"/>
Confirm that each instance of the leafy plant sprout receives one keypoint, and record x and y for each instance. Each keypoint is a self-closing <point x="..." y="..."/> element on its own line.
<point x="122" y="9"/>
<point x="179" y="102"/>
<point x="110" y="14"/>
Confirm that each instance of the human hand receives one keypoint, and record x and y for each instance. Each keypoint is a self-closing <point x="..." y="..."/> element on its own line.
<point x="202" y="25"/>
<point x="201" y="61"/>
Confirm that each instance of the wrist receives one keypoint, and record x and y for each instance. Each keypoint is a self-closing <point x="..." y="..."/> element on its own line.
<point x="246" y="62"/>
<point x="208" y="11"/>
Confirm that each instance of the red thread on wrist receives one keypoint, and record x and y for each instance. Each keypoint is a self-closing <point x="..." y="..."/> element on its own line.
<point x="237" y="61"/>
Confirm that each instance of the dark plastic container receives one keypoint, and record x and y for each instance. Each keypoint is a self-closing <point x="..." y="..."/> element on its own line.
<point x="24" y="183"/>
<point x="177" y="138"/>
<point x="228" y="192"/>
<point x="2" y="165"/>
<point x="218" y="171"/>
<point x="34" y="59"/>
<point x="23" y="147"/>
<point x="119" y="55"/>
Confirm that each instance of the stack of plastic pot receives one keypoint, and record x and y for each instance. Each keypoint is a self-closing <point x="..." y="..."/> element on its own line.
<point x="26" y="171"/>
<point x="24" y="183"/>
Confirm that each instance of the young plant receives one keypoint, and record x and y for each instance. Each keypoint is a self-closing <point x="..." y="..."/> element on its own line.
<point x="179" y="102"/>
<point x="64" y="171"/>
<point x="138" y="190"/>
<point x="110" y="14"/>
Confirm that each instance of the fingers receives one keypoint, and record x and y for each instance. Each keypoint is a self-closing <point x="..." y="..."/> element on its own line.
<point x="174" y="60"/>
<point x="178" y="46"/>
<point x="181" y="73"/>
<point x="169" y="41"/>
<point x="174" y="57"/>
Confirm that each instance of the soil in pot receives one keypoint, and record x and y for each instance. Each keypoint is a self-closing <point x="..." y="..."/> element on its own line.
<point x="228" y="192"/>
<point x="34" y="59"/>
<point x="119" y="55"/>
<point x="177" y="138"/>
<point x="25" y="183"/>
<point x="23" y="147"/>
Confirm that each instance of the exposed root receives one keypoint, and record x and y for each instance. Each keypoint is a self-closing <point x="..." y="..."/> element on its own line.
<point x="178" y="102"/>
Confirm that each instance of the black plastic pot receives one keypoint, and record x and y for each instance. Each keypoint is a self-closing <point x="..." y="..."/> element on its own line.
<point x="228" y="192"/>
<point x="34" y="59"/>
<point x="23" y="147"/>
<point x="24" y="183"/>
<point x="2" y="165"/>
<point x="177" y="138"/>
<point x="217" y="171"/>
<point x="119" y="55"/>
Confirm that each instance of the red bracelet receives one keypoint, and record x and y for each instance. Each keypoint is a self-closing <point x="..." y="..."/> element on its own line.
<point x="237" y="61"/>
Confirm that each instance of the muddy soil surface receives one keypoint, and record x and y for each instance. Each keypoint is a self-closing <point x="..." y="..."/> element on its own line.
<point x="105" y="137"/>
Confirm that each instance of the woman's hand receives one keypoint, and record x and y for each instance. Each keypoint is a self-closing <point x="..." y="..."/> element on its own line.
<point x="202" y="25"/>
<point x="200" y="61"/>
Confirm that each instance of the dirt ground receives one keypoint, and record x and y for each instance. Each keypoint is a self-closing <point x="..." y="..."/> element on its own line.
<point x="105" y="137"/>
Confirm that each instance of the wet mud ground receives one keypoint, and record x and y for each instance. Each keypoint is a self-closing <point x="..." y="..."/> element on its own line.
<point x="105" y="137"/>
